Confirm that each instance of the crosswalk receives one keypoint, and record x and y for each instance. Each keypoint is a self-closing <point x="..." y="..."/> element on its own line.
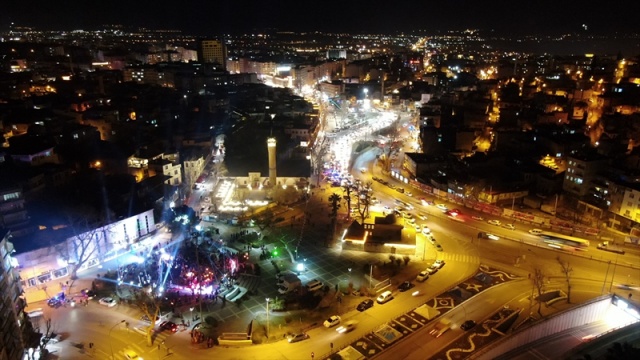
<point x="470" y="259"/>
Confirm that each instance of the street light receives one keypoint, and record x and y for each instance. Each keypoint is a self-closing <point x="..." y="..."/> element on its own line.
<point x="268" y="299"/>
<point x="111" y="342"/>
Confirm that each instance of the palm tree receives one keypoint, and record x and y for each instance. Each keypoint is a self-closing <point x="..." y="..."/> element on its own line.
<point x="334" y="199"/>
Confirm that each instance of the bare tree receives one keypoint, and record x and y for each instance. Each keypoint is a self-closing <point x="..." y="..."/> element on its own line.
<point x="150" y="307"/>
<point x="567" y="270"/>
<point x="334" y="199"/>
<point x="318" y="153"/>
<point x="537" y="281"/>
<point x="347" y="198"/>
<point x="364" y="200"/>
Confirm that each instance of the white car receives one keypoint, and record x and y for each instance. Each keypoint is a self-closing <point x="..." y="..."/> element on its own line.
<point x="536" y="232"/>
<point x="442" y="207"/>
<point x="438" y="264"/>
<point x="131" y="355"/>
<point x="348" y="326"/>
<point x="426" y="230"/>
<point x="422" y="276"/>
<point x="509" y="226"/>
<point x="408" y="193"/>
<point x="495" y="222"/>
<point x="332" y="321"/>
<point x="108" y="301"/>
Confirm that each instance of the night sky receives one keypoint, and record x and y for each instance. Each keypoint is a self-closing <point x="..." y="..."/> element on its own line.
<point x="202" y="17"/>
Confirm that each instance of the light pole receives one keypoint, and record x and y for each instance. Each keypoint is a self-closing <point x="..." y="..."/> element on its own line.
<point x="268" y="299"/>
<point x="111" y="342"/>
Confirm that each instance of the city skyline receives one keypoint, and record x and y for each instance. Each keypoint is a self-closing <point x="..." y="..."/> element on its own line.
<point x="209" y="18"/>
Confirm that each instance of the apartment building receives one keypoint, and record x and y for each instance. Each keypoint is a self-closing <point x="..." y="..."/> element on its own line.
<point x="12" y="303"/>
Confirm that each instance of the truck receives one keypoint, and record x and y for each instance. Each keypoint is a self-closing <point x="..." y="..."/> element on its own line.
<point x="288" y="283"/>
<point x="441" y="327"/>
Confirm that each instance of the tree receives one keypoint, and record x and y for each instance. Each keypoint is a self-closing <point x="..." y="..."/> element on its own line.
<point x="537" y="281"/>
<point x="318" y="153"/>
<point x="364" y="200"/>
<point x="566" y="269"/>
<point x="150" y="307"/>
<point x="334" y="199"/>
<point x="347" y="198"/>
<point x="265" y="219"/>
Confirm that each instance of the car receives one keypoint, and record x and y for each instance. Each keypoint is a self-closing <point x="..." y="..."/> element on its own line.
<point x="491" y="236"/>
<point x="438" y="247"/>
<point x="131" y="355"/>
<point x="536" y="232"/>
<point x="88" y="293"/>
<point x="283" y="290"/>
<point x="422" y="276"/>
<point x="422" y="216"/>
<point x="400" y="190"/>
<point x="495" y="222"/>
<point x="35" y="312"/>
<point x="169" y="325"/>
<point x="332" y="321"/>
<point x="282" y="274"/>
<point x="426" y="202"/>
<point x="348" y="326"/>
<point x="364" y="305"/>
<point x="425" y="229"/>
<point x="438" y="264"/>
<point x="53" y="338"/>
<point x="417" y="226"/>
<point x="432" y="240"/>
<point x="432" y="270"/>
<point x="407" y="215"/>
<point x="384" y="297"/>
<point x="442" y="207"/>
<point x="108" y="302"/>
<point x="478" y="218"/>
<point x="408" y="193"/>
<point x="509" y="226"/>
<point x="297" y="337"/>
<point x="54" y="302"/>
<point x="408" y="206"/>
<point x="375" y="178"/>
<point x="407" y="285"/>
<point x="467" y="325"/>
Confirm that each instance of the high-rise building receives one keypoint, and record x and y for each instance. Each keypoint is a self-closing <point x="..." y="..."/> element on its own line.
<point x="213" y="51"/>
<point x="12" y="304"/>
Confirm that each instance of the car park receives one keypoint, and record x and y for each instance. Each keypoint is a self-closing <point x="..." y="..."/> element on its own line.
<point x="384" y="297"/>
<point x="467" y="325"/>
<point x="422" y="276"/>
<point x="332" y="321"/>
<point x="297" y="337"/>
<point x="347" y="327"/>
<point x="509" y="226"/>
<point x="495" y="222"/>
<point x="364" y="305"/>
<point x="407" y="285"/>
<point x="108" y="301"/>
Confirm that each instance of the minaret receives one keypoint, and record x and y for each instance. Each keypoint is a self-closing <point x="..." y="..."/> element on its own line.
<point x="271" y="146"/>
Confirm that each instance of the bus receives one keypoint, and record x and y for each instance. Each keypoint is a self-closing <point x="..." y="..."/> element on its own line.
<point x="564" y="242"/>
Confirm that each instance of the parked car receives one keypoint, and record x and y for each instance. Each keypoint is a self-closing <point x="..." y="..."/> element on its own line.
<point x="364" y="305"/>
<point x="332" y="321"/>
<point x="384" y="297"/>
<point x="438" y="264"/>
<point x="108" y="301"/>
<point x="297" y="337"/>
<point x="442" y="207"/>
<point x="422" y="276"/>
<point x="407" y="285"/>
<point x="509" y="226"/>
<point x="476" y="217"/>
<point x="495" y="222"/>
<point x="169" y="325"/>
<point x="33" y="313"/>
<point x="438" y="247"/>
<point x="467" y="325"/>
<point x="400" y="190"/>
